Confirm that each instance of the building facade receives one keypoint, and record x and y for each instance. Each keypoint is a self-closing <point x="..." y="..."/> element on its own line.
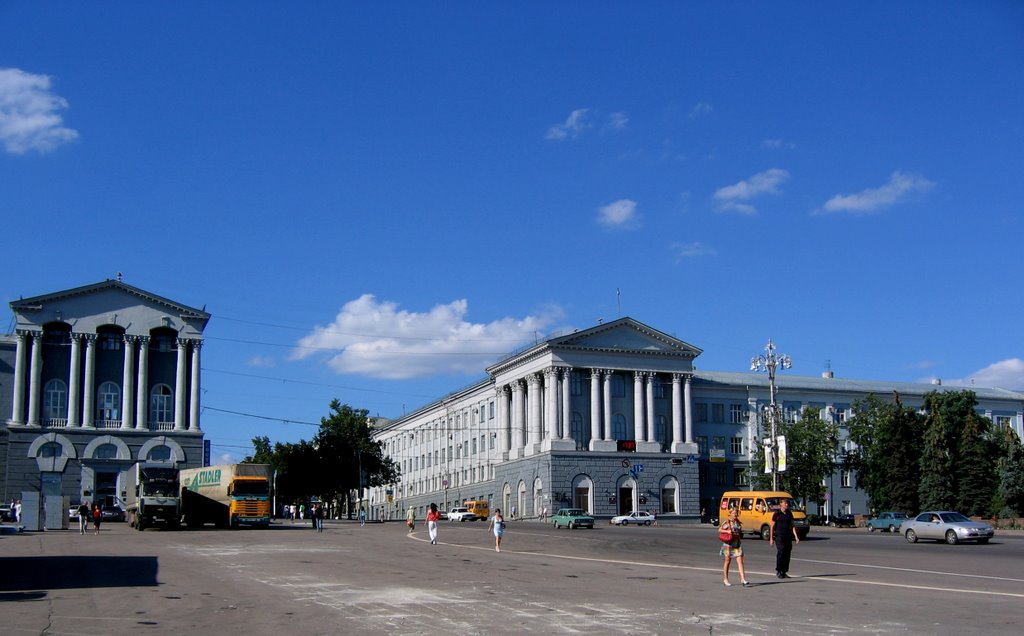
<point x="94" y="379"/>
<point x="612" y="419"/>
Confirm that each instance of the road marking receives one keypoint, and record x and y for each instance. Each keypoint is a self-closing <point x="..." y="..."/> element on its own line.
<point x="889" y="567"/>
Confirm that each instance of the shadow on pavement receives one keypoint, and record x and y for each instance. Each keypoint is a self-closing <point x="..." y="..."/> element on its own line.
<point x="64" y="572"/>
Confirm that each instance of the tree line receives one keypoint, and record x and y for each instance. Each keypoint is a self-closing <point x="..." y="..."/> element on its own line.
<point x="340" y="460"/>
<point x="944" y="456"/>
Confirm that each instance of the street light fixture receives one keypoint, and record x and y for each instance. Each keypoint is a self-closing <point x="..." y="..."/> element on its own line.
<point x="770" y="362"/>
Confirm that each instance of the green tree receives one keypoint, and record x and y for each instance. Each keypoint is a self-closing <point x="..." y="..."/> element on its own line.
<point x="263" y="452"/>
<point x="975" y="452"/>
<point x="886" y="454"/>
<point x="1011" y="474"/>
<point x="811" y="445"/>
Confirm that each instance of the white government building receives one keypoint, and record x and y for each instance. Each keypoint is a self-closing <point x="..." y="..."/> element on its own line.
<point x="612" y="419"/>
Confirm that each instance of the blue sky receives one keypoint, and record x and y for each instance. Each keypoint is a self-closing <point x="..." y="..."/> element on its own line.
<point x="376" y="201"/>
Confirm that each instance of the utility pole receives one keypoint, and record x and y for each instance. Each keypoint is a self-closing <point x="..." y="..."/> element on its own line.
<point x="770" y="362"/>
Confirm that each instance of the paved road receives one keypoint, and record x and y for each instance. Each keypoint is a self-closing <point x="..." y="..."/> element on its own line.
<point x="379" y="579"/>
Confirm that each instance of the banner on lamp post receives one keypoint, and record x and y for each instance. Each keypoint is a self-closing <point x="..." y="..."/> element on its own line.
<point x="780" y="443"/>
<point x="769" y="455"/>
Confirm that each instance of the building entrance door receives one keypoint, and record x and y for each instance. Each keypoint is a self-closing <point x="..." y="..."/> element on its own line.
<point x="625" y="500"/>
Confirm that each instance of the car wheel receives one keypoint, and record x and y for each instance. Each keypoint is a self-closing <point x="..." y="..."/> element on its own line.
<point x="911" y="536"/>
<point x="766" y="532"/>
<point x="647" y="523"/>
<point x="892" y="528"/>
<point x="572" y="525"/>
<point x="871" y="528"/>
<point x="951" y="537"/>
<point x="555" y="525"/>
<point x="625" y="522"/>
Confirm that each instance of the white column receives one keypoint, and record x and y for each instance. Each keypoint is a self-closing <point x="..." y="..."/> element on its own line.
<point x="551" y="403"/>
<point x="501" y="401"/>
<point x="566" y="427"/>
<point x="607" y="400"/>
<point x="518" y="419"/>
<point x="688" y="410"/>
<point x="18" y="413"/>
<point x="35" y="377"/>
<point x="677" y="410"/>
<point x="638" y="406"/>
<point x="595" y="406"/>
<point x="193" y="420"/>
<point x="533" y="381"/>
<point x="142" y="401"/>
<point x="89" y="389"/>
<point x="127" y="388"/>
<point x="75" y="381"/>
<point x="179" y="386"/>
<point x="651" y="424"/>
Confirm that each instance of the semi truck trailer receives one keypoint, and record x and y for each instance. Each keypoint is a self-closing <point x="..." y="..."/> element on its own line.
<point x="228" y="495"/>
<point x="152" y="496"/>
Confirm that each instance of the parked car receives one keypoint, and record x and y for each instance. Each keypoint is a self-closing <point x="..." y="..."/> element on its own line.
<point x="890" y="521"/>
<point x="461" y="514"/>
<point x="843" y="521"/>
<point x="637" y="517"/>
<point x="73" y="514"/>
<point x="572" y="518"/>
<point x="945" y="525"/>
<point x="112" y="513"/>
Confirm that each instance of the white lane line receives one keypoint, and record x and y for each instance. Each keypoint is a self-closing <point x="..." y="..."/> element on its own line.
<point x="719" y="569"/>
<point x="915" y="571"/>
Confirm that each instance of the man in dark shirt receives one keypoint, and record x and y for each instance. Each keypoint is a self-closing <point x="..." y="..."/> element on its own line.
<point x="783" y="536"/>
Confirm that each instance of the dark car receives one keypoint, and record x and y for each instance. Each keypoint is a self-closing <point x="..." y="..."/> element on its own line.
<point x="112" y="513"/>
<point x="843" y="521"/>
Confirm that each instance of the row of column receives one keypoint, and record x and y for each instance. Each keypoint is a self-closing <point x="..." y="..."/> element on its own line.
<point x="524" y="417"/>
<point x="134" y="411"/>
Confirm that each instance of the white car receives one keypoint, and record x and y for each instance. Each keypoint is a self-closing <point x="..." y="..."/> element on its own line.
<point x="637" y="517"/>
<point x="461" y="514"/>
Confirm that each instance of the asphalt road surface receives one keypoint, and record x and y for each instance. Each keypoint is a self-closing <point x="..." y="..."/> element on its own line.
<point x="380" y="579"/>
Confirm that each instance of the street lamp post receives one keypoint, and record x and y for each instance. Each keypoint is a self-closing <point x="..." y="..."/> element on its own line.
<point x="770" y="362"/>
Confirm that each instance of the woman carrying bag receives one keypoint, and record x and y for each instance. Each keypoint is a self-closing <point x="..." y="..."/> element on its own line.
<point x="730" y="533"/>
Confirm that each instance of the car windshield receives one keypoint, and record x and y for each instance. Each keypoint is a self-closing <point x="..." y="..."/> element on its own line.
<point x="575" y="512"/>
<point x="773" y="503"/>
<point x="899" y="515"/>
<point x="953" y="517"/>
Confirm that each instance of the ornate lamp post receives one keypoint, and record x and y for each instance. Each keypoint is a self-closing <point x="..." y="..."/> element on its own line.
<point x="770" y="362"/>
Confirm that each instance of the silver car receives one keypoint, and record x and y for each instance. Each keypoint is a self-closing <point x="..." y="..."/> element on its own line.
<point x="944" y="525"/>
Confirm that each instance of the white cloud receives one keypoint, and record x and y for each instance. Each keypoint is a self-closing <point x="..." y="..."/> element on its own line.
<point x="378" y="339"/>
<point x="262" y="362"/>
<point x="617" y="121"/>
<point x="701" y="109"/>
<point x="874" y="199"/>
<point x="620" y="214"/>
<point x="573" y="126"/>
<point x="730" y="198"/>
<point x="692" y="250"/>
<point x="29" y="118"/>
<point x="1007" y="374"/>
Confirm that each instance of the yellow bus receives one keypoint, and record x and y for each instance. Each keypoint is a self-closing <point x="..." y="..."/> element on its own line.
<point x="480" y="508"/>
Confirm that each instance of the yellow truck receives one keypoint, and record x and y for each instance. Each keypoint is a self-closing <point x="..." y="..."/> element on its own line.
<point x="228" y="495"/>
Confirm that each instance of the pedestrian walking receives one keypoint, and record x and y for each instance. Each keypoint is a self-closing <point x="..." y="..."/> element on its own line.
<point x="433" y="516"/>
<point x="362" y="516"/>
<point x="410" y="518"/>
<point x="497" y="525"/>
<point x="318" y="517"/>
<point x="17" y="512"/>
<point x="97" y="517"/>
<point x="783" y="536"/>
<point x="83" y="517"/>
<point x="513" y="512"/>
<point x="731" y="535"/>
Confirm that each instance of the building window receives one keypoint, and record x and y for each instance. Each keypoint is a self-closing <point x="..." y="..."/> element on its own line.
<point x="702" y="445"/>
<point x="160" y="453"/>
<point x="791" y="411"/>
<point x="618" y="386"/>
<point x="718" y="443"/>
<point x="111" y="341"/>
<point x="105" y="451"/>
<point x="702" y="412"/>
<point x="51" y="449"/>
<point x="717" y="413"/>
<point x="161" y="404"/>
<point x="55" y="400"/>
<point x="720" y="476"/>
<point x="736" y="446"/>
<point x="577" y="431"/>
<point x="473" y="447"/>
<point x="491" y="444"/>
<point x="659" y="390"/>
<point x="108" y="402"/>
<point x="1003" y="422"/>
<point x="661" y="431"/>
<point x="575" y="383"/>
<point x="668" y="499"/>
<point x="845" y="478"/>
<point x="490" y="410"/>
<point x="162" y="343"/>
<point x="619" y="427"/>
<point x="737" y="414"/>
<point x="741" y="477"/>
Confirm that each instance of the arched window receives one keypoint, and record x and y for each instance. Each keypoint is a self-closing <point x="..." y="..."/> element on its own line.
<point x="108" y="402"/>
<point x="159" y="454"/>
<point x="105" y="451"/>
<point x="51" y="449"/>
<point x="55" y="400"/>
<point x="161" y="404"/>
<point x="619" y="427"/>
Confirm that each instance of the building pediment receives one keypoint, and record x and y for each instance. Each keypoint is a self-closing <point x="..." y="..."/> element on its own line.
<point x="625" y="336"/>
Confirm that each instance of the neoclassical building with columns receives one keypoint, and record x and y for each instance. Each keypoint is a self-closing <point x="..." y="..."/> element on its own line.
<point x="94" y="379"/>
<point x="617" y="418"/>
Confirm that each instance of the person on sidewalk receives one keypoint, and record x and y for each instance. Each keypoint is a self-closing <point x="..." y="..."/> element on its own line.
<point x="783" y="536"/>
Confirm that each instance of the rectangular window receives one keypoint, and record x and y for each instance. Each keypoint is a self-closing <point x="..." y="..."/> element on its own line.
<point x="845" y="478"/>
<point x="1003" y="422"/>
<point x="718" y="443"/>
<point x="702" y="412"/>
<point x="736" y="446"/>
<point x="659" y="390"/>
<point x="110" y="342"/>
<point x="717" y="413"/>
<point x="791" y="411"/>
<point x="490" y="410"/>
<point x="737" y="414"/>
<point x="474" y="446"/>
<point x="702" y="445"/>
<point x="575" y="383"/>
<point x="719" y="476"/>
<point x="741" y="477"/>
<point x="491" y="445"/>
